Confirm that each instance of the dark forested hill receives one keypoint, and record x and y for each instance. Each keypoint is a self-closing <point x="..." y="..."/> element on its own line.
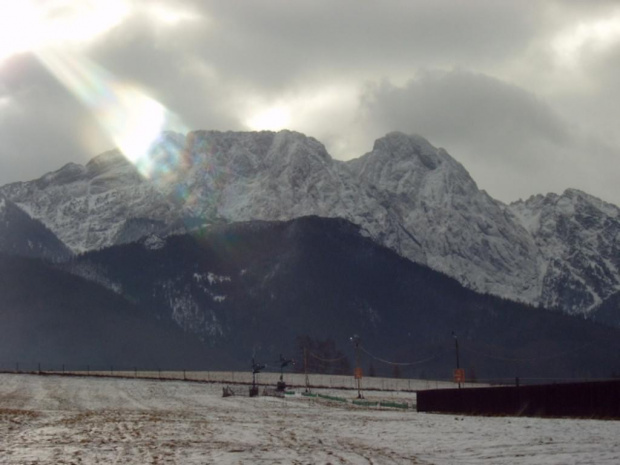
<point x="22" y="235"/>
<point x="55" y="318"/>
<point x="254" y="288"/>
<point x="608" y="312"/>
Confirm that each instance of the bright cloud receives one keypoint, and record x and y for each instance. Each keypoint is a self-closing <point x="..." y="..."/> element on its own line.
<point x="162" y="13"/>
<point x="272" y="118"/>
<point x="308" y="110"/>
<point x="593" y="36"/>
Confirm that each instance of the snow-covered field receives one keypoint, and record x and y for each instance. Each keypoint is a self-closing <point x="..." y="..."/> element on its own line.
<point x="67" y="420"/>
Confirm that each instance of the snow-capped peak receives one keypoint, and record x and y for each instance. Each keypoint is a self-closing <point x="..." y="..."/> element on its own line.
<point x="577" y="235"/>
<point x="398" y="145"/>
<point x="405" y="194"/>
<point x="462" y="230"/>
<point x="86" y="206"/>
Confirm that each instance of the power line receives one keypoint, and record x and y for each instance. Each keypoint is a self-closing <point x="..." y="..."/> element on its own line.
<point x="417" y="362"/>
<point x="327" y="360"/>
<point x="532" y="359"/>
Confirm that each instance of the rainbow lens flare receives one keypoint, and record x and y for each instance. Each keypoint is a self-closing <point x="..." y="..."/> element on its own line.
<point x="132" y="119"/>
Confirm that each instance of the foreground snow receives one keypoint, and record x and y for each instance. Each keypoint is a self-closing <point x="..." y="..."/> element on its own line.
<point x="55" y="420"/>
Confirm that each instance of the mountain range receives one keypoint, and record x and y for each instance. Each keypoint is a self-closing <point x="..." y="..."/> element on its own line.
<point x="554" y="251"/>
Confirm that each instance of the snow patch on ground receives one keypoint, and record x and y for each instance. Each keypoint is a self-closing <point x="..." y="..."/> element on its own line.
<point x="53" y="419"/>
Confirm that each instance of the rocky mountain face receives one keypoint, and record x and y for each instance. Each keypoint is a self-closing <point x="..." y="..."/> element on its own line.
<point x="461" y="230"/>
<point x="271" y="176"/>
<point x="404" y="194"/>
<point x="88" y="207"/>
<point x="578" y="237"/>
<point x="21" y="235"/>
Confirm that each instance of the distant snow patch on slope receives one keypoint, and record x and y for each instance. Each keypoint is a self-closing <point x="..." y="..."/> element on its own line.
<point x="188" y="313"/>
<point x="95" y="274"/>
<point x="154" y="242"/>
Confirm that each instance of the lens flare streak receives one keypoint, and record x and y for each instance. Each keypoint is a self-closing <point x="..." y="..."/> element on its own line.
<point x="132" y="119"/>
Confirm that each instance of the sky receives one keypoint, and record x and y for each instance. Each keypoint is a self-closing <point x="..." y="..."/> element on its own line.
<point x="523" y="93"/>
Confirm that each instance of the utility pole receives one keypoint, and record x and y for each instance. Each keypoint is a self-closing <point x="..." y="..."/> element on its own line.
<point x="458" y="364"/>
<point x="256" y="368"/>
<point x="283" y="363"/>
<point x="306" y="369"/>
<point x="358" y="369"/>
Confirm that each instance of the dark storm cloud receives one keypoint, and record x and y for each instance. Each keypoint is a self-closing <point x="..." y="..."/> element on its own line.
<point x="511" y="141"/>
<point x="245" y="47"/>
<point x="274" y="43"/>
<point x="501" y="133"/>
<point x="461" y="108"/>
<point x="597" y="105"/>
<point x="164" y="65"/>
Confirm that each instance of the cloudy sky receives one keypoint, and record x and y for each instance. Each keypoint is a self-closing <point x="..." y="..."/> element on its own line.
<point x="523" y="93"/>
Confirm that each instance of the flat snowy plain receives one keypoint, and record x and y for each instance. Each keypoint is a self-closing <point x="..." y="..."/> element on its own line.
<point x="74" y="420"/>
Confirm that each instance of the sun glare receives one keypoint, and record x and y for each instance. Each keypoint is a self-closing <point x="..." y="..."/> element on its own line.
<point x="271" y="119"/>
<point x="31" y="25"/>
<point x="53" y="30"/>
<point x="18" y="28"/>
